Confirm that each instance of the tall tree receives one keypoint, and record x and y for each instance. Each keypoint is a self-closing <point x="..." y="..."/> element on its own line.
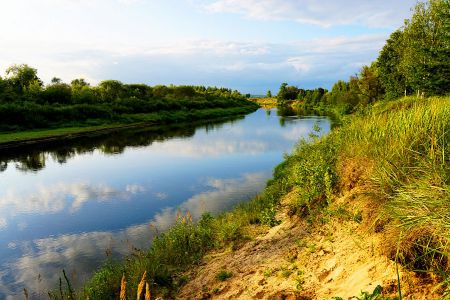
<point x="369" y="85"/>
<point x="390" y="73"/>
<point x="22" y="76"/>
<point x="110" y="90"/>
<point x="425" y="57"/>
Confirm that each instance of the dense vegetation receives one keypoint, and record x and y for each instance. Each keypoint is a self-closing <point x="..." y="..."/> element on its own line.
<point x="25" y="103"/>
<point x="414" y="61"/>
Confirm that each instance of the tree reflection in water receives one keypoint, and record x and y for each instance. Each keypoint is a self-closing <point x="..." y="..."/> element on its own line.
<point x="33" y="158"/>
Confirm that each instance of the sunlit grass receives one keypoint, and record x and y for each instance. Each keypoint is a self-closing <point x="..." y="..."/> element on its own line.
<point x="408" y="141"/>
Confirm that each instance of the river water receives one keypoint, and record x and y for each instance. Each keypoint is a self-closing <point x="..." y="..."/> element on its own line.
<point x="72" y="206"/>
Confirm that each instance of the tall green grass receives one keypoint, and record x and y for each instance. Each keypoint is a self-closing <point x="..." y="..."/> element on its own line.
<point x="409" y="141"/>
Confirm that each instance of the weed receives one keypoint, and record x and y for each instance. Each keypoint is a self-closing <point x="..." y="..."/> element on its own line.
<point x="224" y="275"/>
<point x="312" y="248"/>
<point x="375" y="295"/>
<point x="299" y="280"/>
<point x="301" y="243"/>
<point x="268" y="216"/>
<point x="286" y="273"/>
<point x="268" y="272"/>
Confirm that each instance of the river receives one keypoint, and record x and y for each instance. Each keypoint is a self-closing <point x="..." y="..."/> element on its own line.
<point x="72" y="206"/>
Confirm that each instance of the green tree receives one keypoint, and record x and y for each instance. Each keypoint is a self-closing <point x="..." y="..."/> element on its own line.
<point x="56" y="80"/>
<point x="390" y="73"/>
<point x="21" y="77"/>
<point x="78" y="83"/>
<point x="281" y="96"/>
<point x="369" y="86"/>
<point x="425" y="57"/>
<point x="269" y="94"/>
<point x="57" y="92"/>
<point x="82" y="91"/>
<point x="140" y="91"/>
<point x="110" y="90"/>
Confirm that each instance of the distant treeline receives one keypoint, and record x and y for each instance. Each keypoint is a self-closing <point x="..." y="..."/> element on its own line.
<point x="414" y="61"/>
<point x="26" y="103"/>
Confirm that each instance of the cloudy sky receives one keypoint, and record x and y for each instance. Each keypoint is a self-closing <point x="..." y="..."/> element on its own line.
<point x="249" y="45"/>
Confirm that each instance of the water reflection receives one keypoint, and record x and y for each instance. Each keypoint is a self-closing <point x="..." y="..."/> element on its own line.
<point x="80" y="254"/>
<point x="68" y="206"/>
<point x="34" y="158"/>
<point x="55" y="198"/>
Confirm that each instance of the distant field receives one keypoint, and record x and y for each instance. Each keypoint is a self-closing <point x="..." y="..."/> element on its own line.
<point x="265" y="102"/>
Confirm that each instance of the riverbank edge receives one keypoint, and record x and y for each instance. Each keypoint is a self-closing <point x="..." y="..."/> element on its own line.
<point x="47" y="136"/>
<point x="317" y="172"/>
<point x="355" y="228"/>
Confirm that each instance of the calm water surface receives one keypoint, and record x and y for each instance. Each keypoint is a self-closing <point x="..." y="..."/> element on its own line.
<point x="69" y="207"/>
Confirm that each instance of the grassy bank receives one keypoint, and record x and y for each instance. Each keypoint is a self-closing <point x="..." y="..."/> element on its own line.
<point x="399" y="149"/>
<point x="98" y="126"/>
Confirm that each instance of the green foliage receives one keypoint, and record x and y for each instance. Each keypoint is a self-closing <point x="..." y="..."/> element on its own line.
<point x="224" y="275"/>
<point x="415" y="58"/>
<point x="268" y="216"/>
<point x="409" y="142"/>
<point x="369" y="84"/>
<point x="391" y="74"/>
<point x="24" y="104"/>
<point x="20" y="77"/>
<point x="57" y="93"/>
<point x="311" y="169"/>
<point x="375" y="295"/>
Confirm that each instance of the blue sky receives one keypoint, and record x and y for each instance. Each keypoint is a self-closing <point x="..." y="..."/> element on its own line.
<point x="249" y="45"/>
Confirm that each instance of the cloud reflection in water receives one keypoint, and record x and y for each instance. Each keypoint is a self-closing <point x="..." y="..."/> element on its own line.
<point x="81" y="253"/>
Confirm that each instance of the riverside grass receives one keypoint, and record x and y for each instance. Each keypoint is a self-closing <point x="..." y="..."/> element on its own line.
<point x="159" y="118"/>
<point x="407" y="144"/>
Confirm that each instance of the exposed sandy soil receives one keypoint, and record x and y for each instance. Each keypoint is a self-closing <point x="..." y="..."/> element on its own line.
<point x="339" y="256"/>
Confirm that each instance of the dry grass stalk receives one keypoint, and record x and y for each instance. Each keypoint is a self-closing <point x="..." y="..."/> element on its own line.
<point x="189" y="216"/>
<point x="179" y="215"/>
<point x="147" y="291"/>
<point x="123" y="288"/>
<point x="141" y="286"/>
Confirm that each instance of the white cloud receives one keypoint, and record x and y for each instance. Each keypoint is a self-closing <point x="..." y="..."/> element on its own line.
<point x="214" y="147"/>
<point x="3" y="223"/>
<point x="381" y="13"/>
<point x="135" y="188"/>
<point x="52" y="199"/>
<point x="248" y="66"/>
<point x="161" y="195"/>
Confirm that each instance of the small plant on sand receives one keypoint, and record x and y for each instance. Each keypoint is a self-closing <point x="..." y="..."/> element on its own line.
<point x="268" y="216"/>
<point x="300" y="280"/>
<point x="224" y="275"/>
<point x="285" y="273"/>
<point x="375" y="295"/>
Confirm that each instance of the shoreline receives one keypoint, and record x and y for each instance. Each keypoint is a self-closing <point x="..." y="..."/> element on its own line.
<point x="50" y="136"/>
